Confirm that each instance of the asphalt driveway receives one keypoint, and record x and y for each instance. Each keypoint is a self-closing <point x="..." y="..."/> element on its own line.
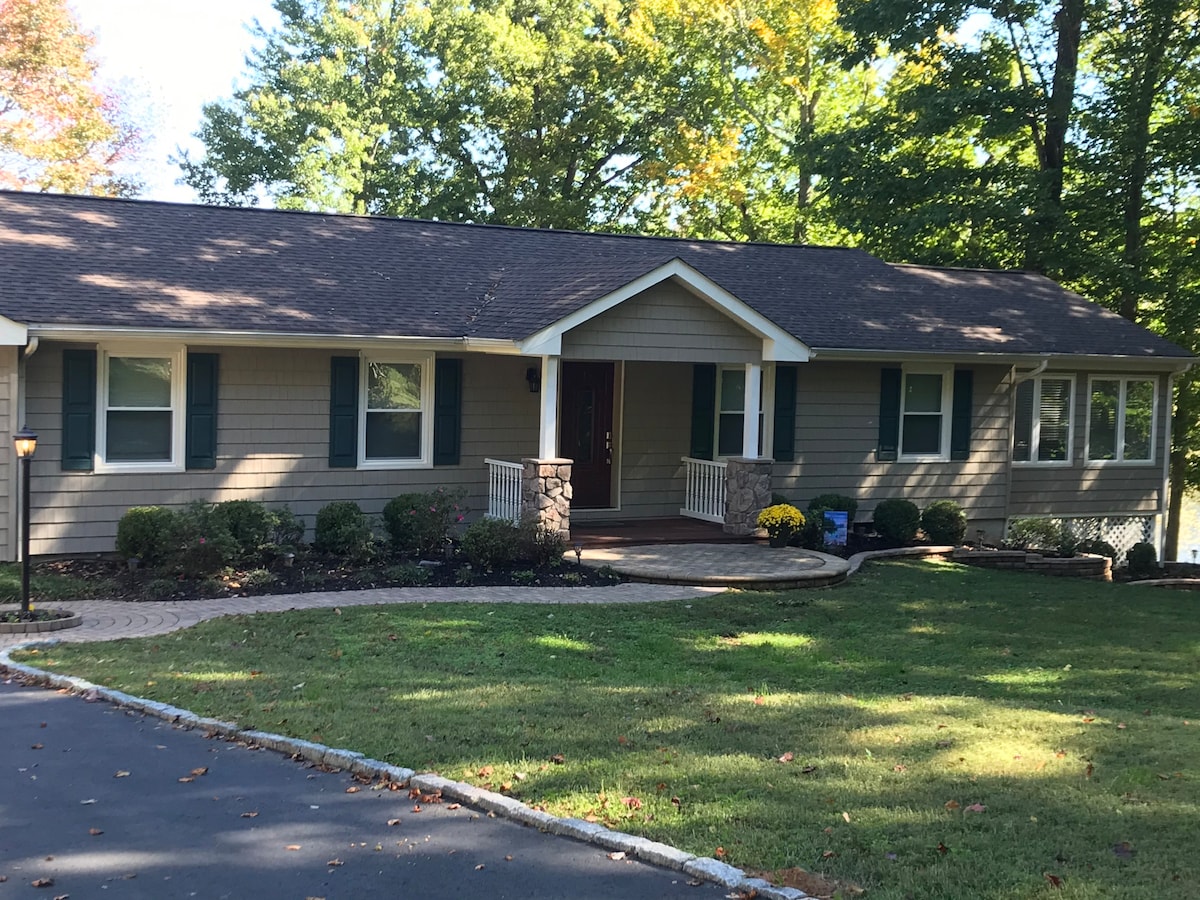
<point x="113" y="804"/>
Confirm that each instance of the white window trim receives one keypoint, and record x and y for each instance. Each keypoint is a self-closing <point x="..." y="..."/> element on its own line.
<point x="1120" y="460"/>
<point x="766" y="399"/>
<point x="947" y="410"/>
<point x="177" y="353"/>
<point x="425" y="361"/>
<point x="1035" y="434"/>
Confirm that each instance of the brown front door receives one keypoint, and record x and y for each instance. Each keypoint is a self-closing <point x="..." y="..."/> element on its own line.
<point x="586" y="431"/>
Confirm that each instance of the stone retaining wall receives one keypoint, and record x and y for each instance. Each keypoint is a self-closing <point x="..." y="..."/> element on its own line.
<point x="1096" y="568"/>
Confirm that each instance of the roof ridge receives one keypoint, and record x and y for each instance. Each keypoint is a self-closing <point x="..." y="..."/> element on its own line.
<point x="375" y="217"/>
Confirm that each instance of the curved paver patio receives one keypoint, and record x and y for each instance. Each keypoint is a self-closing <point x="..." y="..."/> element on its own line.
<point x="721" y="565"/>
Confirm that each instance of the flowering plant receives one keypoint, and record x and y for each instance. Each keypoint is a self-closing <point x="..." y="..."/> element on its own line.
<point x="781" y="520"/>
<point x="420" y="524"/>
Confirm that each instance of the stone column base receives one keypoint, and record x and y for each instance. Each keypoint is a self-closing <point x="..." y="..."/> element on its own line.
<point x="546" y="495"/>
<point x="747" y="493"/>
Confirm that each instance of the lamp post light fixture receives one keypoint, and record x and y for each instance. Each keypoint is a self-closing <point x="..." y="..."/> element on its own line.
<point x="579" y="553"/>
<point x="25" y="442"/>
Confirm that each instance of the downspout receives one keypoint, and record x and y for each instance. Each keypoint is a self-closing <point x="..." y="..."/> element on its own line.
<point x="1165" y="499"/>
<point x="1032" y="373"/>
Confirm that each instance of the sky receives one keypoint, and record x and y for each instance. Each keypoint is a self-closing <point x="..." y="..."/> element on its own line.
<point x="170" y="57"/>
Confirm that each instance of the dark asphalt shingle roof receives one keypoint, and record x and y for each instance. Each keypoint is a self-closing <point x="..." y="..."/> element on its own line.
<point x="95" y="262"/>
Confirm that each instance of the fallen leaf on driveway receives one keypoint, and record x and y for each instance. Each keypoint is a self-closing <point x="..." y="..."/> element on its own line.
<point x="42" y="882"/>
<point x="353" y="789"/>
<point x="393" y="822"/>
<point x="292" y="847"/>
<point x="479" y="867"/>
<point x="249" y="815"/>
<point x="335" y="862"/>
<point x="121" y="773"/>
<point x="187" y="779"/>
<point x="617" y="855"/>
<point x="202" y="770"/>
<point x="94" y="832"/>
<point x="37" y="747"/>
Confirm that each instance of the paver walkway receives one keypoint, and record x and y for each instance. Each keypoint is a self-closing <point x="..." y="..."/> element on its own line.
<point x="747" y="565"/>
<point x="108" y="619"/>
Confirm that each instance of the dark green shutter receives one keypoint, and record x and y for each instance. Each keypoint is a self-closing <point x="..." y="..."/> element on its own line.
<point x="447" y="412"/>
<point x="343" y="412"/>
<point x="784" y="443"/>
<point x="960" y="421"/>
<point x="704" y="409"/>
<point x="78" y="410"/>
<point x="889" y="415"/>
<point x="201" y="414"/>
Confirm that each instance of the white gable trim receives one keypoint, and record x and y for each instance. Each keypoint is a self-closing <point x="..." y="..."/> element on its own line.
<point x="12" y="334"/>
<point x="778" y="345"/>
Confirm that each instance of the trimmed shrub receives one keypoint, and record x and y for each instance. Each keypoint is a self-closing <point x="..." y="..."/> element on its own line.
<point x="407" y="575"/>
<point x="944" y="522"/>
<point x="1142" y="559"/>
<point x="205" y="545"/>
<point x="248" y="523"/>
<point x="835" y="502"/>
<point x="489" y="543"/>
<point x="342" y="530"/>
<point x="287" y="528"/>
<point x="1034" y="533"/>
<point x="540" y="547"/>
<point x="151" y="533"/>
<point x="419" y="524"/>
<point x="897" y="520"/>
<point x="1097" y="547"/>
<point x="816" y="526"/>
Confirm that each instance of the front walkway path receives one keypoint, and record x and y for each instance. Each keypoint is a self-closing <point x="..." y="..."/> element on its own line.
<point x="109" y="619"/>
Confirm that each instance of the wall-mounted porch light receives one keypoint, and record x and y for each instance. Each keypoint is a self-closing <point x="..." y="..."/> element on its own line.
<point x="534" y="377"/>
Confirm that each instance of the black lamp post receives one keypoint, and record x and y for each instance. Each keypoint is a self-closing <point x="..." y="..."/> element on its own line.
<point x="26" y="443"/>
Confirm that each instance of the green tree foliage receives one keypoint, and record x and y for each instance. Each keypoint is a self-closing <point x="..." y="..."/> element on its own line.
<point x="60" y="130"/>
<point x="526" y="112"/>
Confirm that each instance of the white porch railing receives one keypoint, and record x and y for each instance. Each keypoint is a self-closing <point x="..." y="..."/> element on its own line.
<point x="704" y="495"/>
<point x="504" y="490"/>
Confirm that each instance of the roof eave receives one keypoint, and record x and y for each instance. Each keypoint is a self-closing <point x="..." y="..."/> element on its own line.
<point x="1062" y="360"/>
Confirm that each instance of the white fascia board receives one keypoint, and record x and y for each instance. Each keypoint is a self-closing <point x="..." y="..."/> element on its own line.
<point x="197" y="338"/>
<point x="13" y="334"/>
<point x="1056" y="361"/>
<point x="778" y="345"/>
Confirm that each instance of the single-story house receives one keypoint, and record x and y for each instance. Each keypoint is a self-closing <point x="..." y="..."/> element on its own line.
<point x="166" y="353"/>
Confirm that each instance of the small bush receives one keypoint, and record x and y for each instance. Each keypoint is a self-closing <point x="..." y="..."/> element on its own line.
<point x="205" y="545"/>
<point x="342" y="530"/>
<point x="778" y="499"/>
<point x="897" y="521"/>
<point x="944" y="522"/>
<point x="420" y="524"/>
<point x="540" y="547"/>
<point x="151" y="533"/>
<point x="1098" y="548"/>
<point x="1142" y="559"/>
<point x="1034" y="533"/>
<point x="407" y="575"/>
<point x="837" y="503"/>
<point x="489" y="543"/>
<point x="1068" y="541"/>
<point x="524" y="577"/>
<point x="816" y="526"/>
<point x="248" y="523"/>
<point x="464" y="576"/>
<point x="287" y="529"/>
<point x="259" y="578"/>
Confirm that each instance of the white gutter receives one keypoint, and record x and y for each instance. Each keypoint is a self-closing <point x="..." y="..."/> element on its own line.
<point x="195" y="337"/>
<point x="30" y="348"/>
<point x="1130" y="363"/>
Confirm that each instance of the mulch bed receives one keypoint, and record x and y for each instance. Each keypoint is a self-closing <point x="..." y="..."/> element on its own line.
<point x="111" y="579"/>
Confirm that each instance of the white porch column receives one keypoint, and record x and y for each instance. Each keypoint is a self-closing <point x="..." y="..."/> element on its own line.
<point x="752" y="403"/>
<point x="548" y="422"/>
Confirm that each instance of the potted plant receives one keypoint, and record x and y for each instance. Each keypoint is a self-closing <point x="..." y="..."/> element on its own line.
<point x="780" y="521"/>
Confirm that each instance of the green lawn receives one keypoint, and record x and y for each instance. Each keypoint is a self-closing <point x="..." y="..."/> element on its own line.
<point x="925" y="731"/>
<point x="48" y="588"/>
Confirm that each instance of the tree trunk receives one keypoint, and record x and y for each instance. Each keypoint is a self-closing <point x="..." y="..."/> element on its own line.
<point x="1178" y="484"/>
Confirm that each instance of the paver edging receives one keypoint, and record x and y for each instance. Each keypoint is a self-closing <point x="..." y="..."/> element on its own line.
<point x="649" y="851"/>
<point x="41" y="626"/>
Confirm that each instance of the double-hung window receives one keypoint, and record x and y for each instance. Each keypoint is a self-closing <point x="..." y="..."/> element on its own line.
<point x="396" y="421"/>
<point x="1042" y="431"/>
<point x="925" y="399"/>
<point x="731" y="411"/>
<point x="1121" y="419"/>
<point x="141" y="398"/>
